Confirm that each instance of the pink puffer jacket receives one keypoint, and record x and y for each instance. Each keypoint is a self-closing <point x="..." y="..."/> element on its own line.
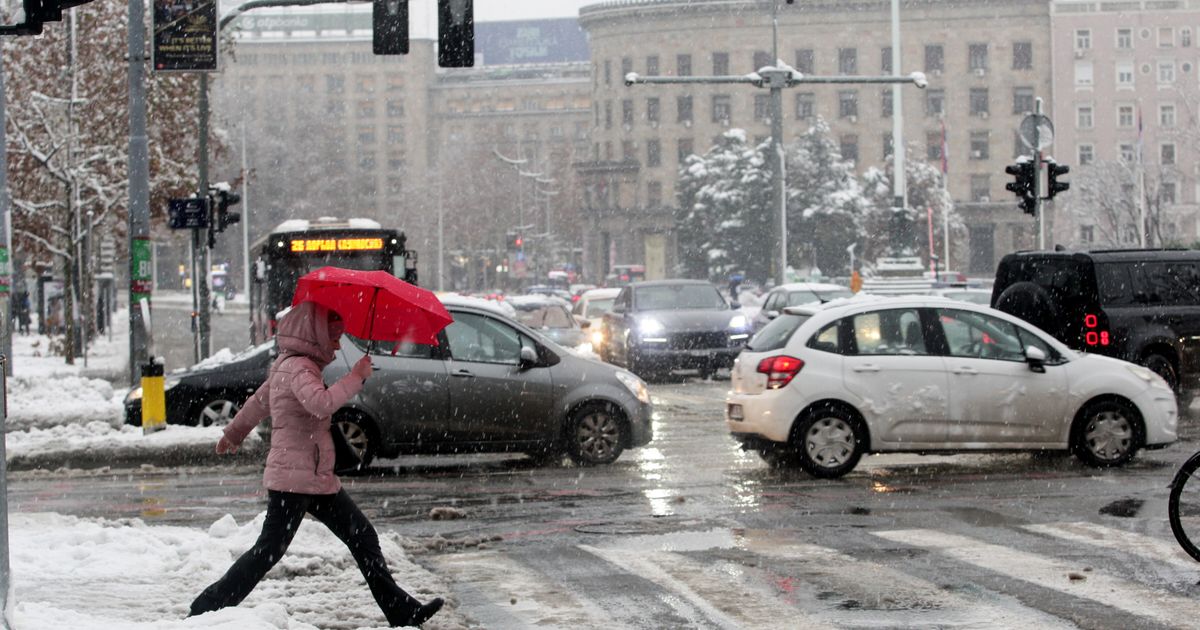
<point x="299" y="404"/>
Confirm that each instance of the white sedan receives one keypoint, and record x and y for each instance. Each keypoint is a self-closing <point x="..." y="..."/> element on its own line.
<point x="819" y="387"/>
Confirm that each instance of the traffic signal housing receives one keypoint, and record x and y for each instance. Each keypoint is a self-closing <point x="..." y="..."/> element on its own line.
<point x="515" y="242"/>
<point x="1054" y="170"/>
<point x="456" y="33"/>
<point x="389" y="27"/>
<point x="1024" y="184"/>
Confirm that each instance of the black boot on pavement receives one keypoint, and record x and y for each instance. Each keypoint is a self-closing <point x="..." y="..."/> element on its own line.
<point x="425" y="612"/>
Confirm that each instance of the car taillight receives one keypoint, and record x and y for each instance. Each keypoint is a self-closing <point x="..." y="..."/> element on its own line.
<point x="779" y="370"/>
<point x="1093" y="333"/>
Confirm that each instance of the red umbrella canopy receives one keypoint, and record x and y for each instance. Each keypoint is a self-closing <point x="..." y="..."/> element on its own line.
<point x="376" y="305"/>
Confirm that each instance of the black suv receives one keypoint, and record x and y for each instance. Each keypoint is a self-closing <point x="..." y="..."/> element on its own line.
<point x="1139" y="305"/>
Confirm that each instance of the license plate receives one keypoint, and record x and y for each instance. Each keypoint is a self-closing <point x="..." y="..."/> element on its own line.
<point x="734" y="412"/>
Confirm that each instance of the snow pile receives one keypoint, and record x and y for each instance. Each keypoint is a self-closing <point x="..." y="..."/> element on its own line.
<point x="42" y="402"/>
<point x="119" y="440"/>
<point x="95" y="574"/>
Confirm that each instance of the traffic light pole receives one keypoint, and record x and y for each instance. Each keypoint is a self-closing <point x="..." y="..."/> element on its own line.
<point x="1038" y="205"/>
<point x="200" y="298"/>
<point x="139" y="193"/>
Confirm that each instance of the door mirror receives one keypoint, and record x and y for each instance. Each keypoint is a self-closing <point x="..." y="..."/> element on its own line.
<point x="618" y="308"/>
<point x="735" y="305"/>
<point x="1036" y="358"/>
<point x="529" y="357"/>
<point x="584" y="323"/>
<point x="771" y="314"/>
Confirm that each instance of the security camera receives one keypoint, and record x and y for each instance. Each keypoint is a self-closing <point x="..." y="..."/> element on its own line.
<point x="631" y="78"/>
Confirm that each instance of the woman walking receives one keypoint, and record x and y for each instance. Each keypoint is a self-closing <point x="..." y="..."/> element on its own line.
<point x="299" y="476"/>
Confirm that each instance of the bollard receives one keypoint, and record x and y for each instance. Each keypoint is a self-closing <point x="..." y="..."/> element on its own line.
<point x="154" y="397"/>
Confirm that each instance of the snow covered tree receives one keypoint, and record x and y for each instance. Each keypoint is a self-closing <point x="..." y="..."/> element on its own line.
<point x="724" y="217"/>
<point x="67" y="154"/>
<point x="925" y="192"/>
<point x="826" y="204"/>
<point x="1103" y="197"/>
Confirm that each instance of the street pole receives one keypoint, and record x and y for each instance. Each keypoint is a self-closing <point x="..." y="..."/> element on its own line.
<point x="140" y="267"/>
<point x="441" y="239"/>
<point x="6" y="284"/>
<point x="246" y="233"/>
<point x="199" y="244"/>
<point x="778" y="164"/>
<point x="87" y="253"/>
<point x="1038" y="205"/>
<point x="899" y="178"/>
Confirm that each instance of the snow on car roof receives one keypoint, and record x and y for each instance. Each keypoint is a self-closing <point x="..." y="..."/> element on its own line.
<point x="599" y="294"/>
<point x="499" y="308"/>
<point x="533" y="301"/>
<point x="810" y="286"/>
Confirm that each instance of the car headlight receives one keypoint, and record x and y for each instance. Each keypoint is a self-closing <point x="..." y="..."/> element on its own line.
<point x="650" y="326"/>
<point x="739" y="322"/>
<point x="597" y="338"/>
<point x="635" y="385"/>
<point x="134" y="394"/>
<point x="1147" y="375"/>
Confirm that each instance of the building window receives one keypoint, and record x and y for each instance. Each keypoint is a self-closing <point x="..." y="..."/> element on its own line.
<point x="366" y="162"/>
<point x="722" y="109"/>
<point x="981" y="188"/>
<point x="683" y="109"/>
<point x="762" y="59"/>
<point x="1083" y="39"/>
<point x="1125" y="116"/>
<point x="628" y="151"/>
<point x="1185" y="38"/>
<point x="979" y="101"/>
<point x="627" y="112"/>
<point x="935" y="58"/>
<point x="1083" y="117"/>
<point x="366" y="109"/>
<point x="652" y="66"/>
<point x="1022" y="56"/>
<point x="608" y="150"/>
<point x="1087" y="154"/>
<point x="1083" y="73"/>
<point x="608" y="114"/>
<point x="847" y="104"/>
<point x="1127" y="154"/>
<point x="762" y="107"/>
<point x="1166" y="72"/>
<point x="804" y="60"/>
<point x="885" y="60"/>
<point x="366" y="135"/>
<point x="1166" y="115"/>
<point x="847" y="61"/>
<point x="1087" y="234"/>
<point x="1125" y="74"/>
<point x="979" y="145"/>
<point x="683" y="148"/>
<point x="654" y="194"/>
<point x="933" y="145"/>
<point x="1166" y="153"/>
<point x="683" y="65"/>
<point x="626" y="66"/>
<point x="720" y="63"/>
<point x="888" y="145"/>
<point x="335" y="84"/>
<point x="395" y="108"/>
<point x="1023" y="100"/>
<point x="607" y="72"/>
<point x="1166" y="193"/>
<point x="335" y="108"/>
<point x="653" y="153"/>
<point x="935" y="102"/>
<point x="849" y="145"/>
<point x="395" y="134"/>
<point x="653" y="110"/>
<point x="805" y="105"/>
<point x="1166" y="37"/>
<point x="885" y="106"/>
<point x="977" y="56"/>
<point x="1125" y="38"/>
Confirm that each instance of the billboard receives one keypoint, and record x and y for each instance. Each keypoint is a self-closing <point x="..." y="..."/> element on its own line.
<point x="185" y="35"/>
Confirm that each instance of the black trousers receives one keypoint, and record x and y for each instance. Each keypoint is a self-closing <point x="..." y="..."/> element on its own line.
<point x="285" y="511"/>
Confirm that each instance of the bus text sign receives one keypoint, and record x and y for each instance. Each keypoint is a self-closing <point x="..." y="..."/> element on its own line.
<point x="311" y="245"/>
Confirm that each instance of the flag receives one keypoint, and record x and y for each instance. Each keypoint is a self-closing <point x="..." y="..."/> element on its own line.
<point x="945" y="160"/>
<point x="1139" y="139"/>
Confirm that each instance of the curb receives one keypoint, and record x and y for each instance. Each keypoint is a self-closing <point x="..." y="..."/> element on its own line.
<point x="132" y="457"/>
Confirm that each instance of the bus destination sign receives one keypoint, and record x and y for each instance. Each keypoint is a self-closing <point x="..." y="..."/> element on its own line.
<point x="319" y="245"/>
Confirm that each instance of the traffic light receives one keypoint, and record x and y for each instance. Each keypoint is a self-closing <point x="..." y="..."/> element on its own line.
<point x="390" y="27"/>
<point x="225" y="218"/>
<point x="1024" y="184"/>
<point x="515" y="242"/>
<point x="38" y="12"/>
<point x="1053" y="171"/>
<point x="456" y="34"/>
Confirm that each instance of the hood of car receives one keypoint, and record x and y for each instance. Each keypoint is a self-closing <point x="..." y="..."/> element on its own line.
<point x="569" y="337"/>
<point x="251" y="362"/>
<point x="705" y="320"/>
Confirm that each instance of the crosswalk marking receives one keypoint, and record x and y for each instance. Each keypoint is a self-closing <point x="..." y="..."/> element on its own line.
<point x="721" y="597"/>
<point x="1153" y="549"/>
<point x="1124" y="595"/>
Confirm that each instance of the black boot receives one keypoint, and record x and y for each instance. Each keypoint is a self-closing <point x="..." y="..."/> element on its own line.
<point x="426" y="611"/>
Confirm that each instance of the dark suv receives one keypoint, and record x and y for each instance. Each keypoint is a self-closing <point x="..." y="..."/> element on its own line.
<point x="1142" y="306"/>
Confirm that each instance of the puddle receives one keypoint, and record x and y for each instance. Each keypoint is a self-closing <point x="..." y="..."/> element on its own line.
<point x="1123" y="508"/>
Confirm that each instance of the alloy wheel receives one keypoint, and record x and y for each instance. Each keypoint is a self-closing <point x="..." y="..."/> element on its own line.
<point x="598" y="436"/>
<point x="218" y="413"/>
<point x="356" y="436"/>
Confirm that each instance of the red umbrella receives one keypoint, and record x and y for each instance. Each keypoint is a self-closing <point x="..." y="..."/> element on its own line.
<point x="375" y="305"/>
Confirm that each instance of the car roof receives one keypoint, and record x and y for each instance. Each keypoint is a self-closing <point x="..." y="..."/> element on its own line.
<point x="535" y="301"/>
<point x="844" y="306"/>
<point x="810" y="286"/>
<point x="451" y="300"/>
<point x="668" y="283"/>
<point x="593" y="294"/>
<point x="1114" y="255"/>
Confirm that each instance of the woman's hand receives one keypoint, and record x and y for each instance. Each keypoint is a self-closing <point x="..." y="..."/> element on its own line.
<point x="363" y="368"/>
<point x="226" y="445"/>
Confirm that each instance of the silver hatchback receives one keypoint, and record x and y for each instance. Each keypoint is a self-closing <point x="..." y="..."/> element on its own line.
<point x="491" y="385"/>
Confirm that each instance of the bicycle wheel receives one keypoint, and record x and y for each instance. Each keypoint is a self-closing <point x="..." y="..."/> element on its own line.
<point x="1183" y="508"/>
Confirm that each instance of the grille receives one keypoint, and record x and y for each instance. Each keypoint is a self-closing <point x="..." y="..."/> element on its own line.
<point x="698" y="340"/>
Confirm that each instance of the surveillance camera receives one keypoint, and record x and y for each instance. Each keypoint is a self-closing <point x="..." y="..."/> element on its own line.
<point x="631" y="78"/>
<point x="918" y="78"/>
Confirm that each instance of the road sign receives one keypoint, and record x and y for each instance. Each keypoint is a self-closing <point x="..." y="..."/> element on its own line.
<point x="190" y="213"/>
<point x="185" y="36"/>
<point x="1039" y="125"/>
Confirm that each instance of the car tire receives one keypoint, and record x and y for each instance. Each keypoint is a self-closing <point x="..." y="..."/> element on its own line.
<point x="781" y="456"/>
<point x="216" y="412"/>
<point x="1033" y="304"/>
<point x="1106" y="433"/>
<point x="829" y="440"/>
<point x="545" y="457"/>
<point x="361" y="434"/>
<point x="596" y="435"/>
<point x="1163" y="367"/>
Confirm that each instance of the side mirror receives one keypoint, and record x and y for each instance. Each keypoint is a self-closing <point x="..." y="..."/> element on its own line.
<point x="735" y="305"/>
<point x="618" y="309"/>
<point x="771" y="314"/>
<point x="529" y="357"/>
<point x="585" y="323"/>
<point x="1036" y="359"/>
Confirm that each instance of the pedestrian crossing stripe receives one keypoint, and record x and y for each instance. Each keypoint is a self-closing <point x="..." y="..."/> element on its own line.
<point x="1053" y="574"/>
<point x="1160" y="552"/>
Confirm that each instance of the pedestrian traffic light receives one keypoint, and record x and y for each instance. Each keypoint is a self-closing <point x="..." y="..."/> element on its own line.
<point x="1024" y="184"/>
<point x="456" y="34"/>
<point x="1053" y="171"/>
<point x="515" y="242"/>
<point x="389" y="27"/>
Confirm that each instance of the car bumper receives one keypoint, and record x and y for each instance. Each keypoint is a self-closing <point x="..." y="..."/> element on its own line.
<point x="651" y="356"/>
<point x="1160" y="413"/>
<point x="761" y="418"/>
<point x="641" y="416"/>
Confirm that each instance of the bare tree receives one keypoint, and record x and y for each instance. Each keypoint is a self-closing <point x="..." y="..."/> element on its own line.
<point x="1104" y="200"/>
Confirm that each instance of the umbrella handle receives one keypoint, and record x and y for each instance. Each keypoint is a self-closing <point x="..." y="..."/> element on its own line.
<point x="371" y="325"/>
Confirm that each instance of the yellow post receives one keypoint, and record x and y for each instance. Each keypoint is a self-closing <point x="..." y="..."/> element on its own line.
<point x="154" y="398"/>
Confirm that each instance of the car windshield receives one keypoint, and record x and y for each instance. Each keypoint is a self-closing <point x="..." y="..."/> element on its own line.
<point x="596" y="308"/>
<point x="546" y="316"/>
<point x="775" y="335"/>
<point x="678" y="297"/>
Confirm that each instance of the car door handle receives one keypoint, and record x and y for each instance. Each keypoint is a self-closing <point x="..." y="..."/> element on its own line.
<point x="866" y="367"/>
<point x="463" y="373"/>
<point x="965" y="370"/>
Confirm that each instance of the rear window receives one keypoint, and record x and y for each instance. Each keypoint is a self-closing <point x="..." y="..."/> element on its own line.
<point x="775" y="335"/>
<point x="1069" y="283"/>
